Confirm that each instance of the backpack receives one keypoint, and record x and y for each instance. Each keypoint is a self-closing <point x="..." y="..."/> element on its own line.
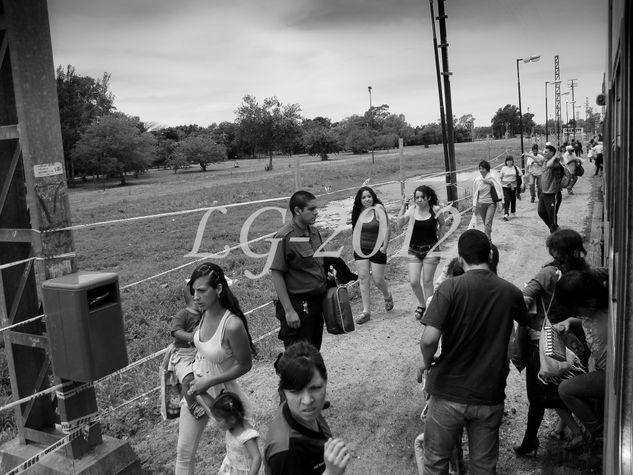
<point x="337" y="311"/>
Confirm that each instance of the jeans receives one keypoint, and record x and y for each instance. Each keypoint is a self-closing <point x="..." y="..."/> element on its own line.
<point x="579" y="394"/>
<point x="572" y="181"/>
<point x="190" y="432"/>
<point x="534" y="182"/>
<point x="442" y="433"/>
<point x="509" y="200"/>
<point x="486" y="211"/>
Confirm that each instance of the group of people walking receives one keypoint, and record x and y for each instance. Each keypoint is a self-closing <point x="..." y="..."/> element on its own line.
<point x="467" y="323"/>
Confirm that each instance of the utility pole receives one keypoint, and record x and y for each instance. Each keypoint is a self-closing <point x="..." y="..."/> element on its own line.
<point x="438" y="75"/>
<point x="34" y="205"/>
<point x="572" y="83"/>
<point x="451" y="179"/>
<point x="557" y="98"/>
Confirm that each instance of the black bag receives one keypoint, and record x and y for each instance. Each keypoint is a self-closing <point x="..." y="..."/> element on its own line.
<point x="519" y="180"/>
<point x="519" y="347"/>
<point x="337" y="311"/>
<point x="494" y="195"/>
<point x="580" y="171"/>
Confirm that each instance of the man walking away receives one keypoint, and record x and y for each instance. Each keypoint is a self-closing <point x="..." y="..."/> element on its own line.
<point x="570" y="160"/>
<point x="549" y="201"/>
<point x="473" y="314"/>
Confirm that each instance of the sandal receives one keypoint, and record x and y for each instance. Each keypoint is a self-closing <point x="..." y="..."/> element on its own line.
<point x="363" y="318"/>
<point x="389" y="303"/>
<point x="419" y="312"/>
<point x="197" y="410"/>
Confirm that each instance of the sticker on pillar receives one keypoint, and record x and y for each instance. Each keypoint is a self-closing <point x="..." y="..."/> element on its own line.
<point x="48" y="169"/>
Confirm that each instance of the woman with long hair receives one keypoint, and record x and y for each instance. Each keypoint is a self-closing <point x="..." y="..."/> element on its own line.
<point x="568" y="253"/>
<point x="369" y="212"/>
<point x="299" y="440"/>
<point x="487" y="192"/>
<point x="427" y="226"/>
<point x="225" y="349"/>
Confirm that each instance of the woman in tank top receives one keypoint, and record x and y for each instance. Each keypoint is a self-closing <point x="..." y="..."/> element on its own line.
<point x="422" y="215"/>
<point x="368" y="212"/>
<point x="225" y="351"/>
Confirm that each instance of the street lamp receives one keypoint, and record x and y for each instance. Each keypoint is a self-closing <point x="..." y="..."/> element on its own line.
<point x="371" y="124"/>
<point x="546" y="116"/>
<point x="529" y="59"/>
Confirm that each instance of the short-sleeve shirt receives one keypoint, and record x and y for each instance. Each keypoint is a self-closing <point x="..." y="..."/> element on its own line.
<point x="475" y="313"/>
<point x="293" y="449"/>
<point x="303" y="273"/>
<point x="187" y="321"/>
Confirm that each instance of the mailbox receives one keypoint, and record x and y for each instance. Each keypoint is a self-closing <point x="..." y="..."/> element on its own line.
<point x="84" y="323"/>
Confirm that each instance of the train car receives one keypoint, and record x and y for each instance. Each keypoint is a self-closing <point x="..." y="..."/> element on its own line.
<point x="618" y="238"/>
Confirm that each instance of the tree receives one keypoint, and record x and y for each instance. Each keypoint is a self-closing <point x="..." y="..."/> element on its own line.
<point x="81" y="99"/>
<point x="201" y="149"/>
<point x="463" y="128"/>
<point x="358" y="141"/>
<point x="268" y="127"/>
<point x="321" y="141"/>
<point x="505" y="120"/>
<point x="114" y="144"/>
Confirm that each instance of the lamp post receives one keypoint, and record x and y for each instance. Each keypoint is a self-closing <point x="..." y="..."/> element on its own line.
<point x="546" y="116"/>
<point x="371" y="124"/>
<point x="529" y="59"/>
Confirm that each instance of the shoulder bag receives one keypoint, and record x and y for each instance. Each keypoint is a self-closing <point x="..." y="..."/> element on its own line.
<point x="557" y="361"/>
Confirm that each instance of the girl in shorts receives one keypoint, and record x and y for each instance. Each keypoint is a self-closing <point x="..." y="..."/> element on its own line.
<point x="368" y="212"/>
<point x="422" y="214"/>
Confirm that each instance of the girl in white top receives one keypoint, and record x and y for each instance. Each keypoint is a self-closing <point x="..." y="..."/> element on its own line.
<point x="510" y="178"/>
<point x="242" y="453"/>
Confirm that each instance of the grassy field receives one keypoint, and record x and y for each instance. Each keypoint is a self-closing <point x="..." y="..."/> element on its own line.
<point x="136" y="250"/>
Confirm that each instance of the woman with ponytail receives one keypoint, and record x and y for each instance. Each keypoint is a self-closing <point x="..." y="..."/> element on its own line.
<point x="225" y="349"/>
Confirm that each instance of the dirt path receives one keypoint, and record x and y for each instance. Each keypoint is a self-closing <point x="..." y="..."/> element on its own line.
<point x="375" y="398"/>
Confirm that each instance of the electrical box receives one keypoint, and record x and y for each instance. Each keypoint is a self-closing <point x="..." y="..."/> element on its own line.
<point x="85" y="327"/>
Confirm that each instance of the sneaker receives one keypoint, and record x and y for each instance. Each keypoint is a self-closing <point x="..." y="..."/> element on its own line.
<point x="389" y="303"/>
<point x="363" y="318"/>
<point x="505" y="217"/>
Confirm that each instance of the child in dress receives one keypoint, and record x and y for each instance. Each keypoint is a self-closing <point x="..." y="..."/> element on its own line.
<point x="181" y="360"/>
<point x="242" y="453"/>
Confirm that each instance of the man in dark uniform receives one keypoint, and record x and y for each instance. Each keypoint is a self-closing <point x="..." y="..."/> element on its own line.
<point x="299" y="278"/>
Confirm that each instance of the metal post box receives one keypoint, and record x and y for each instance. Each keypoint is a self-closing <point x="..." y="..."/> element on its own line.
<point x="85" y="327"/>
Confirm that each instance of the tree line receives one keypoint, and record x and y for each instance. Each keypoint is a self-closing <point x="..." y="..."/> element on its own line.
<point x="101" y="141"/>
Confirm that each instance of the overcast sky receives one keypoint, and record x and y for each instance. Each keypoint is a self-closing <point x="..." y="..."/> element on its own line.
<point x="192" y="61"/>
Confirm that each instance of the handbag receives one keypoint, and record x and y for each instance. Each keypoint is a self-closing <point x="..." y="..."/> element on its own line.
<point x="557" y="361"/>
<point x="494" y="195"/>
<point x="337" y="311"/>
<point x="169" y="398"/>
<point x="519" y="347"/>
<point x="519" y="179"/>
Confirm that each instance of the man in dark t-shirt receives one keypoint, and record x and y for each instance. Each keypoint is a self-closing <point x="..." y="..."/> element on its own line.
<point x="473" y="314"/>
